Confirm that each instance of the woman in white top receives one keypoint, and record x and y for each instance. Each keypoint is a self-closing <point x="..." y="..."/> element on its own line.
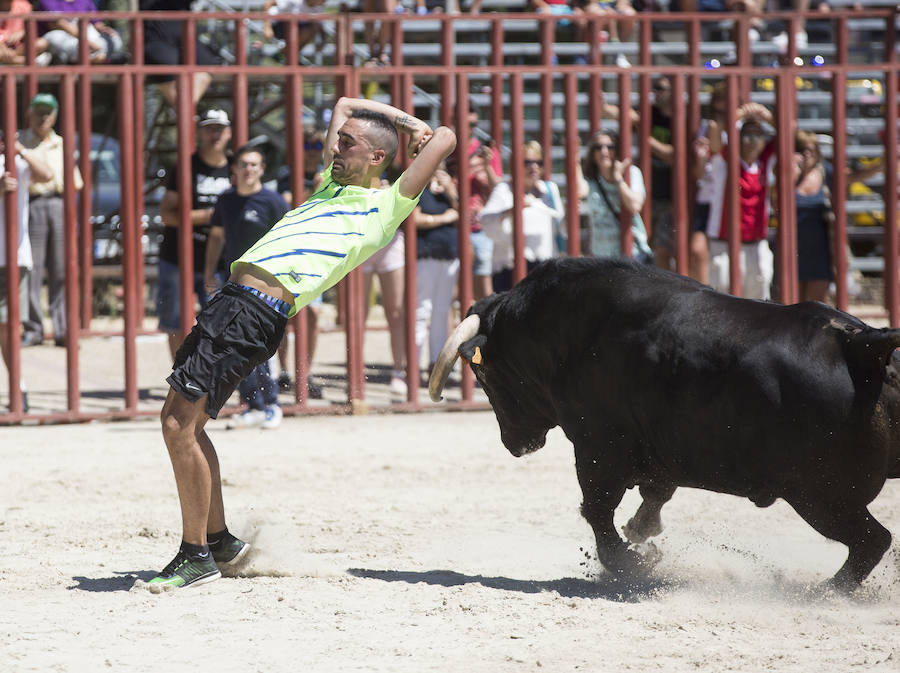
<point x="608" y="193"/>
<point x="541" y="215"/>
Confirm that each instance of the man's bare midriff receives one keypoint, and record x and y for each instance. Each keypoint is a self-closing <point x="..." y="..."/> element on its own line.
<point x="253" y="276"/>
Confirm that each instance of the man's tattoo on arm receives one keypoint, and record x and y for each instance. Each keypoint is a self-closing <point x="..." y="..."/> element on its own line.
<point x="405" y="123"/>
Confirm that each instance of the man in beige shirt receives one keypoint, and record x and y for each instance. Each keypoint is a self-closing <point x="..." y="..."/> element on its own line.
<point x="46" y="222"/>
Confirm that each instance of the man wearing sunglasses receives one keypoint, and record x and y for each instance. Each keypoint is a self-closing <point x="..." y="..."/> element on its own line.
<point x="309" y="250"/>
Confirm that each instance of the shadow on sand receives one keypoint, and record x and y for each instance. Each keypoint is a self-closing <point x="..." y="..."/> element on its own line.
<point x="120" y="582"/>
<point x="605" y="586"/>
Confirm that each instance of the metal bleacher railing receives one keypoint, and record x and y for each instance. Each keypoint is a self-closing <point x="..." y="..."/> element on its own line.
<point x="526" y="75"/>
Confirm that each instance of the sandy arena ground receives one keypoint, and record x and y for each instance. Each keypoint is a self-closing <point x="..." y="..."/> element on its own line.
<point x="405" y="543"/>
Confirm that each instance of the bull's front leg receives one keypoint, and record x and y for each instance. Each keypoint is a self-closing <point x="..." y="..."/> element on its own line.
<point x="647" y="522"/>
<point x="603" y="483"/>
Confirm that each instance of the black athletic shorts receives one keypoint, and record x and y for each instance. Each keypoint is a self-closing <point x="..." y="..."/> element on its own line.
<point x="701" y="217"/>
<point x="234" y="333"/>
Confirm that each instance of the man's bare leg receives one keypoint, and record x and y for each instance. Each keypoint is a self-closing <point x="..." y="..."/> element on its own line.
<point x="182" y="423"/>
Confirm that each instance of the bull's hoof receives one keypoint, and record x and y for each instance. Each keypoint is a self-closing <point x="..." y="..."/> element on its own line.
<point x="638" y="531"/>
<point x="634" y="559"/>
<point x="648" y="553"/>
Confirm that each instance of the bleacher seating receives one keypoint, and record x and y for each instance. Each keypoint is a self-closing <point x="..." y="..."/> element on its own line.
<point x="422" y="46"/>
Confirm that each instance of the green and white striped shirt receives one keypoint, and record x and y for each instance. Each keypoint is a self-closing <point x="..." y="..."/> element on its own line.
<point x="335" y="230"/>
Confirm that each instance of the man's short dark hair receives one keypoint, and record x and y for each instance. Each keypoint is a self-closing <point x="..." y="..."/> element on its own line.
<point x="383" y="134"/>
<point x="246" y="149"/>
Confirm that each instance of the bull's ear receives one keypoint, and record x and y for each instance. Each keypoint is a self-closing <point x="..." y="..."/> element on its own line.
<point x="472" y="350"/>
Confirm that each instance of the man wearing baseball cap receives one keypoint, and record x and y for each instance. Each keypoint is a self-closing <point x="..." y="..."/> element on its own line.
<point x="46" y="222"/>
<point x="210" y="173"/>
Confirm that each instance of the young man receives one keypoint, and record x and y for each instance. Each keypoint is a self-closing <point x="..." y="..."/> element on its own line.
<point x="241" y="216"/>
<point x="308" y="251"/>
<point x="210" y="176"/>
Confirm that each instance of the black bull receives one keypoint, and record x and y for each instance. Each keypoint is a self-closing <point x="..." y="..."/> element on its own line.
<point x="661" y="382"/>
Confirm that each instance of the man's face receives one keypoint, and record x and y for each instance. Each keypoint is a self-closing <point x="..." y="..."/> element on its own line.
<point x="41" y="118"/>
<point x="248" y="171"/>
<point x="213" y="137"/>
<point x="662" y="92"/>
<point x="354" y="156"/>
<point x="753" y="140"/>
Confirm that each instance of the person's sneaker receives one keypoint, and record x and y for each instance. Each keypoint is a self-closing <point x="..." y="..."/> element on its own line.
<point x="285" y="383"/>
<point x="184" y="571"/>
<point x="398" y="385"/>
<point x="313" y="389"/>
<point x="251" y="418"/>
<point x="229" y="550"/>
<point x="272" y="418"/>
<point x="622" y="61"/>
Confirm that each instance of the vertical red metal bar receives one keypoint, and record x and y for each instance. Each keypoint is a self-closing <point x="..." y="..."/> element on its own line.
<point x="787" y="212"/>
<point x="409" y="240"/>
<point x="31" y="81"/>
<point x="84" y="51"/>
<point x="70" y="245"/>
<point x="189" y="54"/>
<point x="241" y="119"/>
<point x="547" y="35"/>
<point x="11" y="210"/>
<point x="347" y="34"/>
<point x="86" y="247"/>
<point x="446" y="80"/>
<point x="595" y="83"/>
<point x="497" y="116"/>
<point x="354" y="309"/>
<point x="570" y="110"/>
<point x="137" y="42"/>
<point x="645" y="124"/>
<point x="839" y="158"/>
<point x="693" y="112"/>
<point x="397" y="53"/>
<point x="130" y="238"/>
<point x="292" y="44"/>
<point x="732" y="188"/>
<point x="646" y="37"/>
<point x="517" y="172"/>
<point x="296" y="160"/>
<point x="139" y="180"/>
<point x="891" y="249"/>
<point x="680" y="172"/>
<point x="744" y="55"/>
<point x="465" y="289"/>
<point x="626" y="239"/>
<point x="184" y="124"/>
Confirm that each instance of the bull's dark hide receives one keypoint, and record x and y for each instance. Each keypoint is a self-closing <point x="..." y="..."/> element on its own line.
<point x="661" y="382"/>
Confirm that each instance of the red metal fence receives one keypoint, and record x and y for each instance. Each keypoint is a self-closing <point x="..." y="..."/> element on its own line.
<point x="566" y="105"/>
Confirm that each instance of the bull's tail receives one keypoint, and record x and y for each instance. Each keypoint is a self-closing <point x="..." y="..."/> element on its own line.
<point x="871" y="348"/>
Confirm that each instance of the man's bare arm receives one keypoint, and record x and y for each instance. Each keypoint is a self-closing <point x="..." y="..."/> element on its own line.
<point x="433" y="150"/>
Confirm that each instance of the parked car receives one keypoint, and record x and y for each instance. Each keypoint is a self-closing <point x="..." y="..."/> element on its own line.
<point x="106" y="203"/>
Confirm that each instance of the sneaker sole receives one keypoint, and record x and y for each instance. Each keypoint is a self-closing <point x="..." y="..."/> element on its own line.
<point x="237" y="557"/>
<point x="158" y="587"/>
<point x="203" y="580"/>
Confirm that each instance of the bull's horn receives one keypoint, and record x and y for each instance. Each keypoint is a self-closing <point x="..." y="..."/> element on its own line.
<point x="447" y="358"/>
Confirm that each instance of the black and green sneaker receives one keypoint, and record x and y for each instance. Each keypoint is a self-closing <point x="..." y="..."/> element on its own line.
<point x="185" y="571"/>
<point x="229" y="550"/>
